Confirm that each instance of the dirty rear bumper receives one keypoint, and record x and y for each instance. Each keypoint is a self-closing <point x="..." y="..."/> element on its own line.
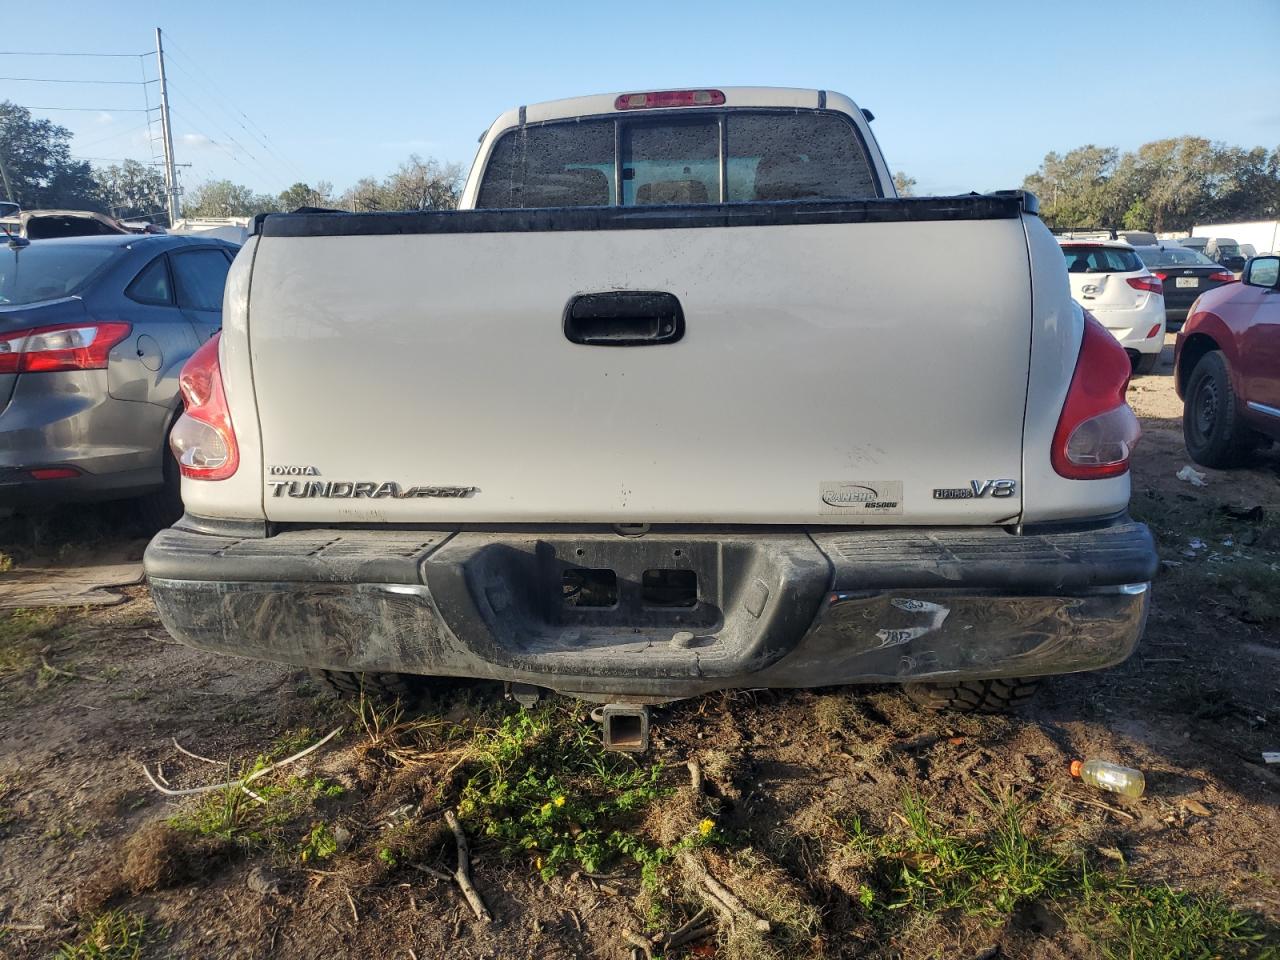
<point x="775" y="607"/>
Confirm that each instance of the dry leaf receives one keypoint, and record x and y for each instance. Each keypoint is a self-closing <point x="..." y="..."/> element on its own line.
<point x="1196" y="807"/>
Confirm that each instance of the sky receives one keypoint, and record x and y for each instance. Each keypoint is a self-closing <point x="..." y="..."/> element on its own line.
<point x="967" y="96"/>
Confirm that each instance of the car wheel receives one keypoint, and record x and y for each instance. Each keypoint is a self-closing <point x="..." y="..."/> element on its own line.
<point x="408" y="688"/>
<point x="974" y="696"/>
<point x="1211" y="426"/>
<point x="1146" y="363"/>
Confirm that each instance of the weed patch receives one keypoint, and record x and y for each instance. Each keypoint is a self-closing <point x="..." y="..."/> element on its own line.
<point x="22" y="633"/>
<point x="261" y="816"/>
<point x="923" y="873"/>
<point x="929" y="870"/>
<point x="114" y="935"/>
<point x="546" y="788"/>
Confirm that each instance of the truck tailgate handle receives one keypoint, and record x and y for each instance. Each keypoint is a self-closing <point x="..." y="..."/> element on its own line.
<point x="623" y="318"/>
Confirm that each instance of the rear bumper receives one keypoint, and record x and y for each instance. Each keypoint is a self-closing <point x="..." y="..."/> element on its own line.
<point x="1131" y="327"/>
<point x="69" y="419"/>
<point x="780" y="608"/>
<point x="17" y="489"/>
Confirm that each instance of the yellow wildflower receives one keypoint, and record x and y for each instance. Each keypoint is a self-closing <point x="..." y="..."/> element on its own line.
<point x="706" y="826"/>
<point x="559" y="801"/>
<point x="546" y="808"/>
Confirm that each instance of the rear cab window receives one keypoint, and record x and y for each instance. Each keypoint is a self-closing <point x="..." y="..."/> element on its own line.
<point x="1085" y="258"/>
<point x="734" y="155"/>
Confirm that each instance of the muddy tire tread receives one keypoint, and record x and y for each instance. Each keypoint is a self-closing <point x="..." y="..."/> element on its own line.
<point x="975" y="696"/>
<point x="380" y="686"/>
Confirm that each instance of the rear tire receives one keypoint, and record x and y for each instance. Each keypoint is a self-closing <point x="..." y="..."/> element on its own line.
<point x="974" y="696"/>
<point x="408" y="688"/>
<point x="1146" y="364"/>
<point x="1211" y="425"/>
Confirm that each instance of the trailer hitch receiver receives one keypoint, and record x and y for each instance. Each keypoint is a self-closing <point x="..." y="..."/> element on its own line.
<point x="624" y="726"/>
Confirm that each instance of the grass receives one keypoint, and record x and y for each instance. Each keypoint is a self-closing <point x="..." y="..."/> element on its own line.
<point x="22" y="633"/>
<point x="114" y="935"/>
<point x="1133" y="921"/>
<point x="924" y="872"/>
<point x="927" y="869"/>
<point x="265" y="820"/>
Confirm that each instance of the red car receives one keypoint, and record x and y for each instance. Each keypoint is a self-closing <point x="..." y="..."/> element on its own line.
<point x="1227" y="367"/>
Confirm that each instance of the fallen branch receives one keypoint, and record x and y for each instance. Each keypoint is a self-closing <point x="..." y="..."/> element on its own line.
<point x="681" y="934"/>
<point x="463" y="873"/>
<point x="244" y="781"/>
<point x="640" y="943"/>
<point x="697" y="928"/>
<point x="433" y="872"/>
<point x="44" y="662"/>
<point x="722" y="897"/>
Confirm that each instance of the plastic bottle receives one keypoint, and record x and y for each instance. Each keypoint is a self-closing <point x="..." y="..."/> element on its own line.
<point x="1110" y="776"/>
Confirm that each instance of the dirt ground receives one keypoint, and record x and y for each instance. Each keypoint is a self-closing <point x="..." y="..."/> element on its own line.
<point x="850" y="821"/>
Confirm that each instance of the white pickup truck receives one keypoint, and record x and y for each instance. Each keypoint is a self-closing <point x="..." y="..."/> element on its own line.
<point x="683" y="398"/>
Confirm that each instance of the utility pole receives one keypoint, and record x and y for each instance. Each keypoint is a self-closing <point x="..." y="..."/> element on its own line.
<point x="170" y="174"/>
<point x="4" y="175"/>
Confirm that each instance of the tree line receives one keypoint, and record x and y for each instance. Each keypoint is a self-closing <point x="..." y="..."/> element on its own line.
<point x="1165" y="185"/>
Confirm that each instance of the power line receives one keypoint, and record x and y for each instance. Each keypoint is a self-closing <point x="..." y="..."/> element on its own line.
<point x="76" y="156"/>
<point x="118" y="133"/>
<point x="59" y="53"/>
<point x="132" y="83"/>
<point x="267" y="150"/>
<point x="95" y="109"/>
<point x="218" y="126"/>
<point x="242" y="118"/>
<point x="232" y="154"/>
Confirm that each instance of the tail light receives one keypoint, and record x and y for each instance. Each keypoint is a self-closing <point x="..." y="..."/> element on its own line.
<point x="53" y="473"/>
<point x="64" y="346"/>
<point x="203" y="440"/>
<point x="1162" y="274"/>
<point x="669" y="98"/>
<point x="1097" y="431"/>
<point x="1149" y="284"/>
<point x="1222" y="276"/>
<point x="1155" y="328"/>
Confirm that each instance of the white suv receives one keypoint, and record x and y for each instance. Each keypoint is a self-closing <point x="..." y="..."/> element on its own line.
<point x="1109" y="281"/>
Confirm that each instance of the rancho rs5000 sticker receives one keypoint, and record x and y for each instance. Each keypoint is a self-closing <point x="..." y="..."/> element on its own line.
<point x="860" y="498"/>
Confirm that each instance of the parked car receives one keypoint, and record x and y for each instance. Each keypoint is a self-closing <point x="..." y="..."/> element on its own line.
<point x="1110" y="281"/>
<point x="1185" y="275"/>
<point x="1227" y="367"/>
<point x="1226" y="252"/>
<point x="93" y="334"/>
<point x="55" y="224"/>
<point x="688" y="421"/>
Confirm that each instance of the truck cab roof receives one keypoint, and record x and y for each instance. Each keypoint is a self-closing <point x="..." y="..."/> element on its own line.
<point x="606" y="103"/>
